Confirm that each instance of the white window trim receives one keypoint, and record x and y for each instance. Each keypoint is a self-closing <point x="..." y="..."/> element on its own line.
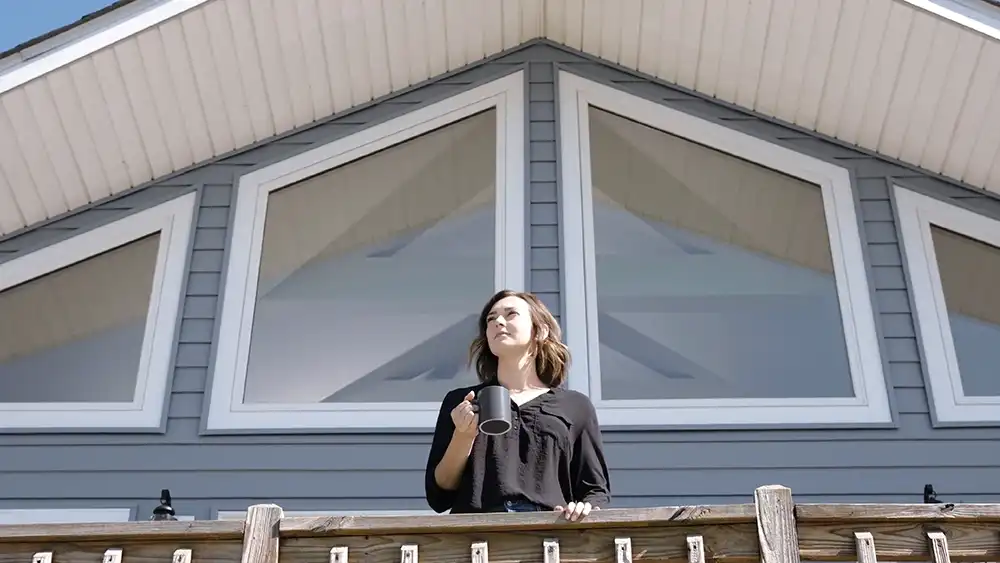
<point x="173" y="220"/>
<point x="226" y="410"/>
<point x="871" y="402"/>
<point x="917" y="212"/>
<point x="10" y="516"/>
<point x="242" y="514"/>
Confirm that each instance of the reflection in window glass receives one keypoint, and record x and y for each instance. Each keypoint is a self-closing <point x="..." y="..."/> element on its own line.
<point x="75" y="335"/>
<point x="970" y="275"/>
<point x="714" y="275"/>
<point x="63" y="515"/>
<point x="372" y="274"/>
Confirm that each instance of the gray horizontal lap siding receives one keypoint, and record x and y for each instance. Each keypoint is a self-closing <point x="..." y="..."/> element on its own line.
<point x="384" y="471"/>
<point x="542" y="184"/>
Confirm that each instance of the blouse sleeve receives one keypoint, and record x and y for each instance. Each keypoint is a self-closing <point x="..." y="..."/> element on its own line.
<point x="439" y="499"/>
<point x="591" y="482"/>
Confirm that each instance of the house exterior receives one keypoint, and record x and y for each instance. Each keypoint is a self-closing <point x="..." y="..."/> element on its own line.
<point x="242" y="244"/>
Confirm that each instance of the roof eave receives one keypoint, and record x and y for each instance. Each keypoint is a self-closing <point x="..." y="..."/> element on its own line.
<point x="84" y="37"/>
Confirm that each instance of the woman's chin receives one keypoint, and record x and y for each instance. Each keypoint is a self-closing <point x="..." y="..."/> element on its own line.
<point x="507" y="347"/>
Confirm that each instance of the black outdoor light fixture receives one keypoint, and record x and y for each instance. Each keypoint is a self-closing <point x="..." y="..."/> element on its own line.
<point x="164" y="511"/>
<point x="930" y="496"/>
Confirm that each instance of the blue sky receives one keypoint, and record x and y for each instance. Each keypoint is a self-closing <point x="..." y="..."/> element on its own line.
<point x="21" y="20"/>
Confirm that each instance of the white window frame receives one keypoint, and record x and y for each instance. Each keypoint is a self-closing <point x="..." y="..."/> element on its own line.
<point x="226" y="409"/>
<point x="173" y="220"/>
<point x="870" y="405"/>
<point x="917" y="212"/>
<point x="242" y="514"/>
<point x="11" y="516"/>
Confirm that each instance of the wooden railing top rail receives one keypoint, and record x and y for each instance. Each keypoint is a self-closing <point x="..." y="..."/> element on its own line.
<point x="320" y="526"/>
<point x="967" y="512"/>
<point x="124" y="531"/>
<point x="771" y="530"/>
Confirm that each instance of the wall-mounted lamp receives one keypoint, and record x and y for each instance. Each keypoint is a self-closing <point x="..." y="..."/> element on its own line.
<point x="930" y="496"/>
<point x="164" y="511"/>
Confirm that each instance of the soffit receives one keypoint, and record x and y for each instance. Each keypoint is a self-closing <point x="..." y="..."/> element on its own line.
<point x="218" y="75"/>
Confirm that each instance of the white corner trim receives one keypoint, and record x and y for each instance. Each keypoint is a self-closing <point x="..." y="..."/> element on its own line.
<point x="226" y="411"/>
<point x="10" y="516"/>
<point x="173" y="220"/>
<point x="242" y="514"/>
<point x="89" y="44"/>
<point x="917" y="212"/>
<point x="871" y="402"/>
<point x="972" y="14"/>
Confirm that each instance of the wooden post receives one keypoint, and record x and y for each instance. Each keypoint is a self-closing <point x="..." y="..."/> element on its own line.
<point x="779" y="540"/>
<point x="260" y="534"/>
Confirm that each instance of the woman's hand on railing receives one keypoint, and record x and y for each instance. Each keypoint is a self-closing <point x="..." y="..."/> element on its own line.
<point x="576" y="510"/>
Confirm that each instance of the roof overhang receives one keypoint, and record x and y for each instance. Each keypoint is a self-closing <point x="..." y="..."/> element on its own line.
<point x="133" y="96"/>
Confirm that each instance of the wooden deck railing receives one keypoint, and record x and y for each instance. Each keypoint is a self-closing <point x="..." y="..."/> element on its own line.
<point x="773" y="530"/>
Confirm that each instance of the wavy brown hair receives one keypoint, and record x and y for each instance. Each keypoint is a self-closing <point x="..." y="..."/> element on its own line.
<point x="552" y="357"/>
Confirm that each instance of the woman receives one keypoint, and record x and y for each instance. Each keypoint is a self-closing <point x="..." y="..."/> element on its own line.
<point x="552" y="457"/>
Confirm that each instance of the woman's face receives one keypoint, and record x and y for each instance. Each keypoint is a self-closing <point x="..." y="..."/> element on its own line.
<point x="508" y="327"/>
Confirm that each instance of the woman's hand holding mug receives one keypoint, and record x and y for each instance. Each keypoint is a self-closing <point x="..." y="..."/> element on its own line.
<point x="465" y="417"/>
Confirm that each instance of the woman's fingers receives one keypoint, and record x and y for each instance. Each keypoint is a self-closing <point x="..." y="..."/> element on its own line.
<point x="576" y="510"/>
<point x="464" y="415"/>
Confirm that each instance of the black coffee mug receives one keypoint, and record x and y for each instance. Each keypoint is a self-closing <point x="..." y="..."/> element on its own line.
<point x="493" y="406"/>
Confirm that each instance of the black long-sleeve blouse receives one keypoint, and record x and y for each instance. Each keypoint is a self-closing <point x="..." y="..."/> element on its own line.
<point x="551" y="456"/>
